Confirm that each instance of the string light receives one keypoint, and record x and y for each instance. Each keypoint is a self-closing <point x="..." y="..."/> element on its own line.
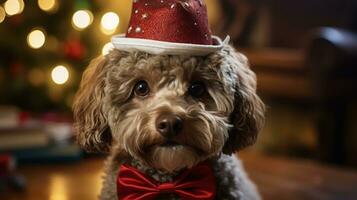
<point x="82" y="19"/>
<point x="106" y="48"/>
<point x="36" y="39"/>
<point x="60" y="74"/>
<point x="47" y="5"/>
<point x="109" y="23"/>
<point x="2" y="14"/>
<point x="14" y="7"/>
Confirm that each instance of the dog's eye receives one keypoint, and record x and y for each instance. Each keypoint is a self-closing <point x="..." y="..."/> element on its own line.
<point x="197" y="89"/>
<point x="141" y="88"/>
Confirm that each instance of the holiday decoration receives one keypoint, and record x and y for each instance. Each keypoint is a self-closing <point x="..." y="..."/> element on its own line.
<point x="169" y="27"/>
<point x="74" y="49"/>
<point x="2" y="14"/>
<point x="60" y="74"/>
<point x="37" y="36"/>
<point x="48" y="5"/>
<point x="109" y="23"/>
<point x="14" y="7"/>
<point x="82" y="19"/>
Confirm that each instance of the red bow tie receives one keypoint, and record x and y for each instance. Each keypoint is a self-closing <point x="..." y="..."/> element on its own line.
<point x="195" y="183"/>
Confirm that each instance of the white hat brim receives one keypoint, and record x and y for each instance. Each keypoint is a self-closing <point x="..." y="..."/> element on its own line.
<point x="166" y="48"/>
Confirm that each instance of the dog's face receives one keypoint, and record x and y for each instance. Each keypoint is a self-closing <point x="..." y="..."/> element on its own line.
<point x="170" y="112"/>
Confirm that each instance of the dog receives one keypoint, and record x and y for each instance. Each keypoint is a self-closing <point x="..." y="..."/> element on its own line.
<point x="164" y="113"/>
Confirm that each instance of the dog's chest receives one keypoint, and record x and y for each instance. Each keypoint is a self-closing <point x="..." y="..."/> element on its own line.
<point x="157" y="175"/>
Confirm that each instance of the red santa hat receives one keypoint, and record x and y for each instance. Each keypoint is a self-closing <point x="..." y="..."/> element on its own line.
<point x="169" y="27"/>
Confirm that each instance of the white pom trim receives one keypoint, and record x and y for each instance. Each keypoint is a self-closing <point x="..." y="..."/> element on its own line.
<point x="167" y="48"/>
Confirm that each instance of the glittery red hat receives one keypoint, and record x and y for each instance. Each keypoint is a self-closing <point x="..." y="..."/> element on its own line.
<point x="173" y="27"/>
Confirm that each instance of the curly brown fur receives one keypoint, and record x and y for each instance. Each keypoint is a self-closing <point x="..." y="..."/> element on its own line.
<point x="91" y="122"/>
<point x="109" y="115"/>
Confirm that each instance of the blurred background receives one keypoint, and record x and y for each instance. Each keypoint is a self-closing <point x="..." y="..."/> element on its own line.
<point x="303" y="52"/>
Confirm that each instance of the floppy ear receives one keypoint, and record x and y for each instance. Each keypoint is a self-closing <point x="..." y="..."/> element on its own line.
<point x="248" y="115"/>
<point x="91" y="125"/>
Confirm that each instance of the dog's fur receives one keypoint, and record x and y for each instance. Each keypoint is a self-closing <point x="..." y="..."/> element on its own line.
<point x="111" y="118"/>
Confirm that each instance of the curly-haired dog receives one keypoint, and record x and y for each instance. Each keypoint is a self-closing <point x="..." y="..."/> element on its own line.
<point x="163" y="114"/>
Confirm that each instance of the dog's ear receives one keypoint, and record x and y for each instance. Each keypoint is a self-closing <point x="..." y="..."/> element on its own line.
<point x="91" y="125"/>
<point x="248" y="115"/>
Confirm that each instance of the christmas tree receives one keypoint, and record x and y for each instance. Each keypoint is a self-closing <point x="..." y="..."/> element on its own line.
<point x="46" y="44"/>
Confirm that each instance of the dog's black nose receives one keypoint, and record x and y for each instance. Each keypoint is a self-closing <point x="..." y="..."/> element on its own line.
<point x="169" y="125"/>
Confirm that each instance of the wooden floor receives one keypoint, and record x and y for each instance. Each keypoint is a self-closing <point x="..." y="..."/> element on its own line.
<point x="277" y="178"/>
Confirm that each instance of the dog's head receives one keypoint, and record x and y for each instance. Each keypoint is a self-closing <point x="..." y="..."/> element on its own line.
<point x="170" y="112"/>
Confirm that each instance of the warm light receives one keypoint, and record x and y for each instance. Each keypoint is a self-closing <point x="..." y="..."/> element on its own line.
<point x="60" y="75"/>
<point x="109" y="22"/>
<point x="58" y="187"/>
<point x="107" y="47"/>
<point x="47" y="5"/>
<point x="36" y="39"/>
<point x="82" y="19"/>
<point x="13" y="7"/>
<point x="2" y="14"/>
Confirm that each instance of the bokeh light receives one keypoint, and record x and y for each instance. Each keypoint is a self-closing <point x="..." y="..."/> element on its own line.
<point x="82" y="19"/>
<point x="109" y="22"/>
<point x="14" y="7"/>
<point x="106" y="48"/>
<point x="47" y="5"/>
<point x="2" y="14"/>
<point x="60" y="74"/>
<point x="36" y="39"/>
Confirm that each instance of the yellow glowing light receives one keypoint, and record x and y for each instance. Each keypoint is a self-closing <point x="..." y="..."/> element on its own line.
<point x="109" y="22"/>
<point x="13" y="7"/>
<point x="106" y="31"/>
<point x="47" y="5"/>
<point x="2" y="14"/>
<point x="107" y="47"/>
<point x="58" y="187"/>
<point x="36" y="39"/>
<point x="82" y="19"/>
<point x="60" y="74"/>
